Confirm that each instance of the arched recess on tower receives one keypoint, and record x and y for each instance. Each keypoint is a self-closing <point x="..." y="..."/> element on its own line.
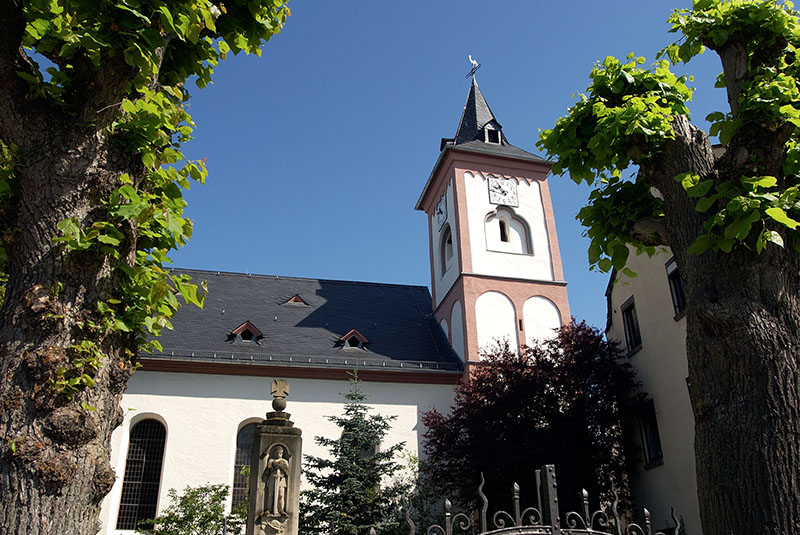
<point x="541" y="317"/>
<point x="496" y="320"/>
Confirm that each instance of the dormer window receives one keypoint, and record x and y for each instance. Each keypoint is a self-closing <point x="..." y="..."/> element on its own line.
<point x="296" y="300"/>
<point x="492" y="135"/>
<point x="246" y="332"/>
<point x="353" y="340"/>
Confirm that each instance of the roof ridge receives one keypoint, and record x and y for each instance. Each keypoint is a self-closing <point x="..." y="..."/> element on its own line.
<point x="284" y="277"/>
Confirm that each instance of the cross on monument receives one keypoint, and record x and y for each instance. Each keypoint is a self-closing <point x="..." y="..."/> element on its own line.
<point x="279" y="388"/>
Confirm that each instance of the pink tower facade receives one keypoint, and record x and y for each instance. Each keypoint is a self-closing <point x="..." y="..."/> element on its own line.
<point x="496" y="272"/>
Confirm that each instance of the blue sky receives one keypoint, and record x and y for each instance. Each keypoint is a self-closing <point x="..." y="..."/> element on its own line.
<point x="318" y="150"/>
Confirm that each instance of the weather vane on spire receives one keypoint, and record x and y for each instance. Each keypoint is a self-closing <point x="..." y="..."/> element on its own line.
<point x="475" y="67"/>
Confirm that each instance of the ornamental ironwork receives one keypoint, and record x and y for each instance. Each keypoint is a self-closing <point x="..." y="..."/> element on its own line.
<point x="542" y="518"/>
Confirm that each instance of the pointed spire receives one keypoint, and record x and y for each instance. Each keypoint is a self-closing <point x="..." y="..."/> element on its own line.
<point x="476" y="117"/>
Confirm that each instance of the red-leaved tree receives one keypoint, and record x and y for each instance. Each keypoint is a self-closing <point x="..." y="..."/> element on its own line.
<point x="560" y="402"/>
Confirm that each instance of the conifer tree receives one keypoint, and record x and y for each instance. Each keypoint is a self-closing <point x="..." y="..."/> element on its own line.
<point x="354" y="488"/>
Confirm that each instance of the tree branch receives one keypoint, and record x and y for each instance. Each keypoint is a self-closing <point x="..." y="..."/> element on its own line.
<point x="734" y="64"/>
<point x="651" y="231"/>
<point x="689" y="151"/>
<point x="15" y="102"/>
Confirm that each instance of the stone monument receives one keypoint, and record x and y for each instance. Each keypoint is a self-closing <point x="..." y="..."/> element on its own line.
<point x="272" y="505"/>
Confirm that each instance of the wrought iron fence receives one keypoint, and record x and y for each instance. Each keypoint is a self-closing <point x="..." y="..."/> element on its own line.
<point x="542" y="519"/>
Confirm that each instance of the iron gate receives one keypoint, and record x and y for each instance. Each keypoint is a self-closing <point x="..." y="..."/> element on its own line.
<point x="542" y="519"/>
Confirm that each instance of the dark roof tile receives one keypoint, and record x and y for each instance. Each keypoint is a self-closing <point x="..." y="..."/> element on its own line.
<point x="396" y="319"/>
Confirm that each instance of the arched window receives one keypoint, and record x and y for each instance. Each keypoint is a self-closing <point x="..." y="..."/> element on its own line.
<point x="507" y="232"/>
<point x="503" y="231"/>
<point x="142" y="474"/>
<point x="244" y="442"/>
<point x="446" y="249"/>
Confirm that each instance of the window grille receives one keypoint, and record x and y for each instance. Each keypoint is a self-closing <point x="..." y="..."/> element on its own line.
<point x="142" y="475"/>
<point x="244" y="443"/>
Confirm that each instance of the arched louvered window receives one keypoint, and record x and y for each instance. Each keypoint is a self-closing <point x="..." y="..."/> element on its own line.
<point x="244" y="442"/>
<point x="142" y="474"/>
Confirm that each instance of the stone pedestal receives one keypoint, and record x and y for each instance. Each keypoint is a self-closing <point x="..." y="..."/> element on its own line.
<point x="274" y="494"/>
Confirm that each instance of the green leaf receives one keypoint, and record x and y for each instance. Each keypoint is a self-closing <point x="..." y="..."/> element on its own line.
<point x="166" y="18"/>
<point x="704" y="203"/>
<point x="702" y="244"/>
<point x="774" y="237"/>
<point x="190" y="295"/>
<point x="108" y="240"/>
<point x="700" y="189"/>
<point x="128" y="106"/>
<point x="781" y="217"/>
<point x="761" y="181"/>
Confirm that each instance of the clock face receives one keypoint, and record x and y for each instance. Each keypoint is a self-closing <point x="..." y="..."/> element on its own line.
<point x="441" y="210"/>
<point x="503" y="191"/>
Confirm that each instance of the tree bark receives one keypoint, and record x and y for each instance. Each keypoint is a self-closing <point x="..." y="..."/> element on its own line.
<point x="54" y="448"/>
<point x="742" y="330"/>
<point x="54" y="455"/>
<point x="743" y="323"/>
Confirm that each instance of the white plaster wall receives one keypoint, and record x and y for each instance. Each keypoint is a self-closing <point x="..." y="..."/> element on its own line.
<point x="445" y="328"/>
<point x="662" y="369"/>
<point x="444" y="281"/>
<point x="457" y="329"/>
<point x="540" y="317"/>
<point x="535" y="266"/>
<point x="496" y="320"/>
<point x="203" y="413"/>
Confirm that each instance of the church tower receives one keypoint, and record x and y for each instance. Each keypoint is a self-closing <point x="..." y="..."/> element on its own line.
<point x="495" y="263"/>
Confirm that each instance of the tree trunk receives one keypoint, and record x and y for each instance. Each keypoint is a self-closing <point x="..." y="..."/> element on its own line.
<point x="54" y="454"/>
<point x="743" y="326"/>
<point x="742" y="345"/>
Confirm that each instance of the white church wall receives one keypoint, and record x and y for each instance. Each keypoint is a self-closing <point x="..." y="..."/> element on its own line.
<point x="496" y="320"/>
<point x="540" y="317"/>
<point x="445" y="278"/>
<point x="490" y="258"/>
<point x="203" y="413"/>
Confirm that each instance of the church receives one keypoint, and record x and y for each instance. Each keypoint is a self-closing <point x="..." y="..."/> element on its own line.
<point x="496" y="274"/>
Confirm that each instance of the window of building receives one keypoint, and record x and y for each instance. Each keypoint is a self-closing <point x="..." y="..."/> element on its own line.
<point x="446" y="253"/>
<point x="676" y="288"/>
<point x="353" y="339"/>
<point x="507" y="232"/>
<point x="244" y="442"/>
<point x="651" y="441"/>
<point x="492" y="136"/>
<point x="296" y="300"/>
<point x="142" y="474"/>
<point x="633" y="339"/>
<point x="246" y="332"/>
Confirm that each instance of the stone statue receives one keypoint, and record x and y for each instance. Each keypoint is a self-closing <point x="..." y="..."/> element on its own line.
<point x="276" y="476"/>
<point x="273" y="500"/>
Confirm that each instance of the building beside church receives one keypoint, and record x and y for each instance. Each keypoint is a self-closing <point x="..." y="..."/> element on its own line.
<point x="646" y="315"/>
<point x="495" y="274"/>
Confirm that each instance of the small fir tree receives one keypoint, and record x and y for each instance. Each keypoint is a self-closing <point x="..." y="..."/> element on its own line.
<point x="198" y="511"/>
<point x="355" y="487"/>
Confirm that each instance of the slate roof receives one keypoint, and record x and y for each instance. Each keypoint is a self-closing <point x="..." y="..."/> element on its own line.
<point x="470" y="133"/>
<point x="471" y="137"/>
<point x="396" y="320"/>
